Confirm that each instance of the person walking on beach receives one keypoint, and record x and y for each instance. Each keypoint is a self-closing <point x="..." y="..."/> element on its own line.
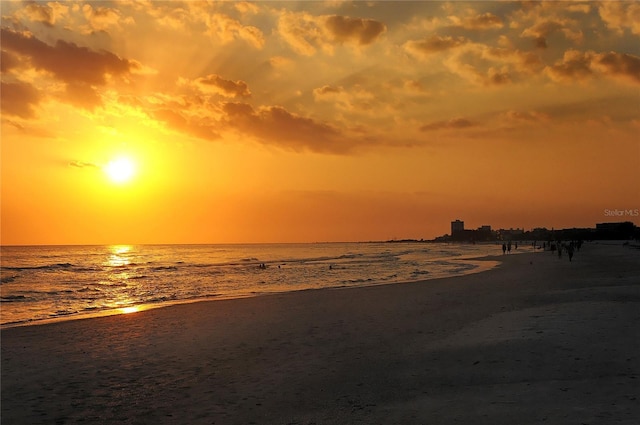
<point x="509" y="247"/>
<point x="504" y="249"/>
<point x="570" y="251"/>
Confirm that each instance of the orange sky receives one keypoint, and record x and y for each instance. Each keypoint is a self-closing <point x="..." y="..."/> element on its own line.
<point x="315" y="121"/>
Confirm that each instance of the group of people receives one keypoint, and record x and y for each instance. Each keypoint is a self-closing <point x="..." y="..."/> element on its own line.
<point x="506" y="247"/>
<point x="559" y="246"/>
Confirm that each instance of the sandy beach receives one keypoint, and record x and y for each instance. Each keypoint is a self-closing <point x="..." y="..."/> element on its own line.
<point x="536" y="340"/>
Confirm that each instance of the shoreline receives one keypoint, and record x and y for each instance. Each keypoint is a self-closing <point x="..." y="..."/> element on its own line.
<point x="482" y="267"/>
<point x="533" y="340"/>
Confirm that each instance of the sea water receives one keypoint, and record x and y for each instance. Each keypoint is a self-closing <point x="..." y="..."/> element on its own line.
<point x="52" y="282"/>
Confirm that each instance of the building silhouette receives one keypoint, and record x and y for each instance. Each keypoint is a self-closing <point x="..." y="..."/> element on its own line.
<point x="457" y="229"/>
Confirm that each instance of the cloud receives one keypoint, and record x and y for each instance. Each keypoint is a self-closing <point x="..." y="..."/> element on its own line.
<point x="19" y="99"/>
<point x="618" y="16"/>
<point x="80" y="68"/>
<point x="528" y="117"/>
<point x="215" y="84"/>
<point x="269" y="125"/>
<point x="491" y="66"/>
<point x="102" y="18"/>
<point x="481" y="21"/>
<point x="68" y="62"/>
<point x="576" y="65"/>
<point x="275" y="125"/>
<point x="433" y="44"/>
<point x="452" y="124"/>
<point x="355" y="99"/>
<point x="47" y="14"/>
<point x="305" y="33"/>
<point x="618" y="65"/>
<point x="82" y="164"/>
<point x="545" y="28"/>
<point x="355" y="30"/>
<point x="327" y="91"/>
<point x="227" y="29"/>
<point x="8" y="61"/>
<point x="246" y="8"/>
<point x="200" y="128"/>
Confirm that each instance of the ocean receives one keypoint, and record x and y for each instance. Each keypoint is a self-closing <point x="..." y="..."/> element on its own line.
<point x="43" y="283"/>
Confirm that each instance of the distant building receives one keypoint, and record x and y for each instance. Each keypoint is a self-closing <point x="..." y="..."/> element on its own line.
<point x="485" y="228"/>
<point x="608" y="227"/>
<point x="457" y="228"/>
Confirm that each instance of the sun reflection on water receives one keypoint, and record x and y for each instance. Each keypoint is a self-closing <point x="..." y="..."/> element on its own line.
<point x="129" y="310"/>
<point x="118" y="255"/>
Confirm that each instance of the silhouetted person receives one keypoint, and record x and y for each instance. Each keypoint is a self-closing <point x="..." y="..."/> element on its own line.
<point x="504" y="249"/>
<point x="509" y="247"/>
<point x="570" y="251"/>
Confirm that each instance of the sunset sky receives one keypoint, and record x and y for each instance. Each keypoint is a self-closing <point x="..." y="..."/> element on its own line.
<point x="224" y="122"/>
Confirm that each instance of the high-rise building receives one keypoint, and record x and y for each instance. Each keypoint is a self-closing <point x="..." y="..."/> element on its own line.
<point x="457" y="228"/>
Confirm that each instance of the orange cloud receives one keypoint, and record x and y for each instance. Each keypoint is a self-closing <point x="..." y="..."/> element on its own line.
<point x="544" y="28"/>
<point x="80" y="68"/>
<point x="102" y="18"/>
<point x="306" y="33"/>
<point x="481" y="21"/>
<point x="215" y="84"/>
<point x="619" y="16"/>
<point x="452" y="124"/>
<point x="277" y="126"/>
<point x="433" y="44"/>
<point x="356" y="30"/>
<point x="227" y="29"/>
<point x="19" y="99"/>
<point x="68" y="62"/>
<point x="48" y="13"/>
<point x="576" y="65"/>
<point x="228" y="87"/>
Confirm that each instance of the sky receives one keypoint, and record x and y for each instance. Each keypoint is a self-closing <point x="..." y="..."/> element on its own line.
<point x="235" y="122"/>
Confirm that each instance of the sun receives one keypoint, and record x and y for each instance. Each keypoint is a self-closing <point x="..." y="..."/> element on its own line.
<point x="120" y="170"/>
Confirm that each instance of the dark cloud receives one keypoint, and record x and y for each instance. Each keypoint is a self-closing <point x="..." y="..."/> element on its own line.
<point x="82" y="164"/>
<point x="82" y="69"/>
<point x="576" y="65"/>
<point x="67" y="61"/>
<point x="19" y="99"/>
<point x="327" y="90"/>
<point x="175" y="120"/>
<point x="619" y="65"/>
<point x="225" y="87"/>
<point x="8" y="61"/>
<point x="277" y="126"/>
<point x="358" y="30"/>
<point x="498" y="77"/>
<point x="452" y="124"/>
<point x="434" y="44"/>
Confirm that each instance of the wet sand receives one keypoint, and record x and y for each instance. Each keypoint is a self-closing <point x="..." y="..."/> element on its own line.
<point x="536" y="340"/>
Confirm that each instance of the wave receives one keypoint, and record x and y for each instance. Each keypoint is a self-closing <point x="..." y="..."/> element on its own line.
<point x="164" y="268"/>
<point x="7" y="279"/>
<point x="12" y="298"/>
<point x="56" y="266"/>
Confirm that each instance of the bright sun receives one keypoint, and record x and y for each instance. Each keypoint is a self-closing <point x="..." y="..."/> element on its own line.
<point x="120" y="170"/>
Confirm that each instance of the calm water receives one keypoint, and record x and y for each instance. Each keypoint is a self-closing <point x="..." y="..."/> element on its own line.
<point x="48" y="282"/>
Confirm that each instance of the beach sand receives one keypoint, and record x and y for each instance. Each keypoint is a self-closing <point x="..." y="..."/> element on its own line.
<point x="535" y="340"/>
